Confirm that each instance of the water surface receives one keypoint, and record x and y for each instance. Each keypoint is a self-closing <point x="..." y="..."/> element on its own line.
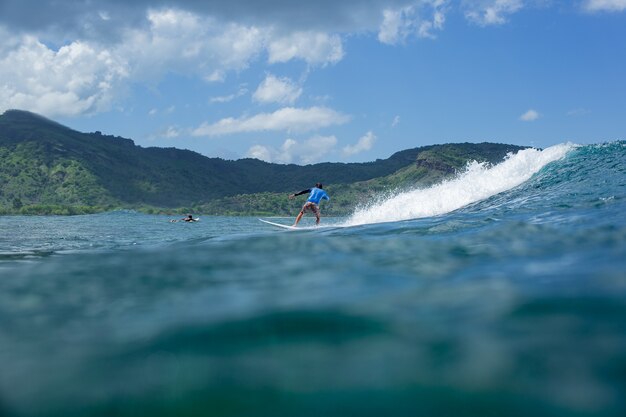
<point x="501" y="292"/>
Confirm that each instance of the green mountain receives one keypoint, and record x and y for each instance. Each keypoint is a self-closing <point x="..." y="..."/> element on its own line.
<point x="48" y="168"/>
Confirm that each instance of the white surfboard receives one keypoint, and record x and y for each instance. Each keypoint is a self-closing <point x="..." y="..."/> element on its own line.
<point x="284" y="226"/>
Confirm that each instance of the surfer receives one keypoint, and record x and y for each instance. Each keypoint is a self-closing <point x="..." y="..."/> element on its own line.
<point x="189" y="218"/>
<point x="312" y="203"/>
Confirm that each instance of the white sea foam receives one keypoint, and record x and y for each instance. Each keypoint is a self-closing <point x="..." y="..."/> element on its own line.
<point x="477" y="183"/>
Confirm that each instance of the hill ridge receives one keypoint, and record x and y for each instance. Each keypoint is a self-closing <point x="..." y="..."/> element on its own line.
<point x="43" y="163"/>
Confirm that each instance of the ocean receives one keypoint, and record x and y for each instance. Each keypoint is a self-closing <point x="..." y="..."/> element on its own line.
<point x="500" y="292"/>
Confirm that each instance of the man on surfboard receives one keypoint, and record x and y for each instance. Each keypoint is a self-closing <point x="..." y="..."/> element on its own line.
<point x="312" y="203"/>
<point x="189" y="218"/>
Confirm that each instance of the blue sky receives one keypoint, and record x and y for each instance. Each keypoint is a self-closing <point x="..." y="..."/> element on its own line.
<point x="303" y="82"/>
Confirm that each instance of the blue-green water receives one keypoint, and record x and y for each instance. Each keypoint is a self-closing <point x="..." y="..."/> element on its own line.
<point x="500" y="293"/>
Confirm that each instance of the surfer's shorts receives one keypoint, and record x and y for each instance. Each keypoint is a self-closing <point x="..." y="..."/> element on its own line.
<point x="312" y="207"/>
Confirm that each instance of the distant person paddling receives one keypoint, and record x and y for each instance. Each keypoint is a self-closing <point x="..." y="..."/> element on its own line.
<point x="189" y="218"/>
<point x="312" y="203"/>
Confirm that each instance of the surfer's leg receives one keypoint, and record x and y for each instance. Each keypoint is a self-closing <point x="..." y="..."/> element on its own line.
<point x="316" y="211"/>
<point x="299" y="217"/>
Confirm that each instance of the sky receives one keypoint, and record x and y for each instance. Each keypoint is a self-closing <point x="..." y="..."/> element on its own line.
<point x="291" y="81"/>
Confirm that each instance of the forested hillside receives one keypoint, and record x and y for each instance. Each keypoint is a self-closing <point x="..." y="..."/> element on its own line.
<point x="48" y="168"/>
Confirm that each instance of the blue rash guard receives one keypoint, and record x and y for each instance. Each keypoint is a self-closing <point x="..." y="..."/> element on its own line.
<point x="317" y="195"/>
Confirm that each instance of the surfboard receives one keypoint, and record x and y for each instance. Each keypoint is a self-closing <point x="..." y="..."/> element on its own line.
<point x="284" y="226"/>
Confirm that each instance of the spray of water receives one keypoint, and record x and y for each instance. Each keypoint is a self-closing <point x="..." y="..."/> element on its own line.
<point x="478" y="182"/>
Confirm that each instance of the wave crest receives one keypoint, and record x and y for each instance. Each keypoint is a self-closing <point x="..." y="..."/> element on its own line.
<point x="478" y="182"/>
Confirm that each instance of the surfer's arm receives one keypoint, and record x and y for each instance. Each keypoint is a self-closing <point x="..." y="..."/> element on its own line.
<point x="300" y="193"/>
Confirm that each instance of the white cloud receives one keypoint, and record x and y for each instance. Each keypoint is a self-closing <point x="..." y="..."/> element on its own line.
<point x="277" y="90"/>
<point x="91" y="75"/>
<point x="186" y="43"/>
<point x="396" y="121"/>
<point x="230" y="97"/>
<point x="530" y="116"/>
<point x="605" y="5"/>
<point x="169" y="110"/>
<point x="170" y="133"/>
<point x="108" y="46"/>
<point x="491" y="12"/>
<point x="398" y="24"/>
<point x="309" y="151"/>
<point x="285" y="119"/>
<point x="104" y="15"/>
<point x="261" y="152"/>
<point x="86" y="77"/>
<point x="316" y="48"/>
<point x="393" y="27"/>
<point x="217" y="75"/>
<point x="76" y="78"/>
<point x="365" y="143"/>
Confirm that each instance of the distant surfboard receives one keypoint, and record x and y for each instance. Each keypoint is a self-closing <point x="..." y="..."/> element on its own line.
<point x="284" y="226"/>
